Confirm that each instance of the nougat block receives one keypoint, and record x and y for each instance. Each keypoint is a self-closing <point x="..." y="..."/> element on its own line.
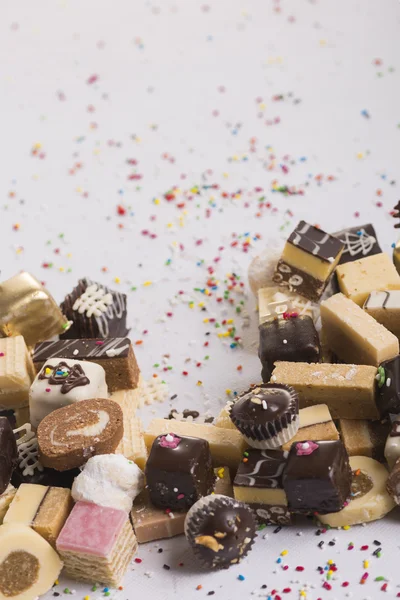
<point x="226" y="445"/>
<point x="179" y="471"/>
<point x="315" y="424"/>
<point x="96" y="544"/>
<point x="359" y="278"/>
<point x="274" y="301"/>
<point x="16" y="372"/>
<point x="5" y="500"/>
<point x="317" y="477"/>
<point x="27" y="309"/>
<point x="364" y="438"/>
<point x="347" y="390"/>
<point x="151" y="523"/>
<point x="308" y="260"/>
<point x="353" y="335"/>
<point x="384" y="307"/>
<point x="132" y="444"/>
<point x="43" y="508"/>
<point x="289" y="337"/>
<point x="258" y="482"/>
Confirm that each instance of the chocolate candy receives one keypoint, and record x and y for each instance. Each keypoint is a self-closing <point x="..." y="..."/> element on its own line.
<point x="291" y="338"/>
<point x="95" y="311"/>
<point x="179" y="471"/>
<point x="8" y="453"/>
<point x="220" y="530"/>
<point x="258" y="482"/>
<point x="393" y="483"/>
<point x="266" y="415"/>
<point x="115" y="355"/>
<point x="69" y="436"/>
<point x="308" y="260"/>
<point x="27" y="309"/>
<point x="317" y="478"/>
<point x="359" y="242"/>
<point x="63" y="382"/>
<point x="387" y="386"/>
<point x="10" y="416"/>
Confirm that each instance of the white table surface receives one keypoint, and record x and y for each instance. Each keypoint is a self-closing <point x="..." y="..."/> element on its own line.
<point x="189" y="90"/>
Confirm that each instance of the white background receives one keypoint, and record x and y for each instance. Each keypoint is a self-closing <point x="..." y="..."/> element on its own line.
<point x="186" y="89"/>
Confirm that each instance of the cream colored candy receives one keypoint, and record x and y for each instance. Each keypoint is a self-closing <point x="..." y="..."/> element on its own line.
<point x="223" y="420"/>
<point x="28" y="564"/>
<point x="5" y="501"/>
<point x="353" y="335"/>
<point x="132" y="445"/>
<point x="315" y="424"/>
<point x="274" y="301"/>
<point x="16" y="372"/>
<point x="226" y="445"/>
<point x="384" y="307"/>
<point x="371" y="506"/>
<point x="347" y="390"/>
<point x="357" y="279"/>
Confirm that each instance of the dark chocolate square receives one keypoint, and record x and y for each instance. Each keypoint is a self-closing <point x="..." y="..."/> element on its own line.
<point x="359" y="242"/>
<point x="316" y="242"/>
<point x="387" y="387"/>
<point x="8" y="453"/>
<point x="101" y="315"/>
<point x="292" y="339"/>
<point x="179" y="471"/>
<point x="317" y="478"/>
<point x="261" y="469"/>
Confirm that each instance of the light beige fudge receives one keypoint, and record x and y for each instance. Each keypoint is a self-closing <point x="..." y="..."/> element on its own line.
<point x="132" y="445"/>
<point x="357" y="279"/>
<point x="353" y="335"/>
<point x="384" y="307"/>
<point x="151" y="523"/>
<point x="364" y="438"/>
<point x="5" y="500"/>
<point x="273" y="301"/>
<point x="226" y="445"/>
<point x="315" y="424"/>
<point x="223" y="420"/>
<point x="347" y="390"/>
<point x="16" y="372"/>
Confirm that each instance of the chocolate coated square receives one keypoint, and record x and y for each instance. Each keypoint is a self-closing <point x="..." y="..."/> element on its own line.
<point x="293" y="339"/>
<point x="359" y="242"/>
<point x="179" y="471"/>
<point x="8" y="453"/>
<point x="261" y="469"/>
<point x="317" y="478"/>
<point x="387" y="387"/>
<point x="315" y="241"/>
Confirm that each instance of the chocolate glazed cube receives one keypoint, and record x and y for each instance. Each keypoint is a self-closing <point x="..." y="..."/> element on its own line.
<point x="317" y="478"/>
<point x="179" y="471"/>
<point x="291" y="338"/>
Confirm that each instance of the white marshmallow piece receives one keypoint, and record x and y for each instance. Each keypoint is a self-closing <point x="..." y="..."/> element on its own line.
<point x="109" y="480"/>
<point x="86" y="380"/>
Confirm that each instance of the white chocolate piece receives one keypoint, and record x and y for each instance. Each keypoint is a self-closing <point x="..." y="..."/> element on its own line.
<point x="28" y="564"/>
<point x="384" y="307"/>
<point x="274" y="301"/>
<point x="45" y="397"/>
<point x="354" y="335"/>
<point x="373" y="505"/>
<point x="5" y="500"/>
<point x="16" y="372"/>
<point x="392" y="447"/>
<point x="357" y="279"/>
<point x="262" y="267"/>
<point x="109" y="480"/>
<point x="22" y="512"/>
<point x="226" y="445"/>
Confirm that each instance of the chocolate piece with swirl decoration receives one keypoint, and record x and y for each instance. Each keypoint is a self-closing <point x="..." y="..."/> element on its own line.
<point x="8" y="453"/>
<point x="95" y="311"/>
<point x="289" y="337"/>
<point x="179" y="471"/>
<point x="220" y="530"/>
<point x="63" y="382"/>
<point x="267" y="415"/>
<point x="115" y="355"/>
<point x="69" y="436"/>
<point x="387" y="387"/>
<point x="359" y="242"/>
<point x="258" y="482"/>
<point x="317" y="477"/>
<point x="308" y="260"/>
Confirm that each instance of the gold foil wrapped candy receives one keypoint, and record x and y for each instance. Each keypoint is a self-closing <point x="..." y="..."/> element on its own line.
<point x="27" y="309"/>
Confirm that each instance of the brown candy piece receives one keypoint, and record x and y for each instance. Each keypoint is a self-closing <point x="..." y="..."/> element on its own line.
<point x="69" y="436"/>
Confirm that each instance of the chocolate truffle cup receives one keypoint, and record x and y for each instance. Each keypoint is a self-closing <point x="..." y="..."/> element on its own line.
<point x="267" y="415"/>
<point x="220" y="530"/>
